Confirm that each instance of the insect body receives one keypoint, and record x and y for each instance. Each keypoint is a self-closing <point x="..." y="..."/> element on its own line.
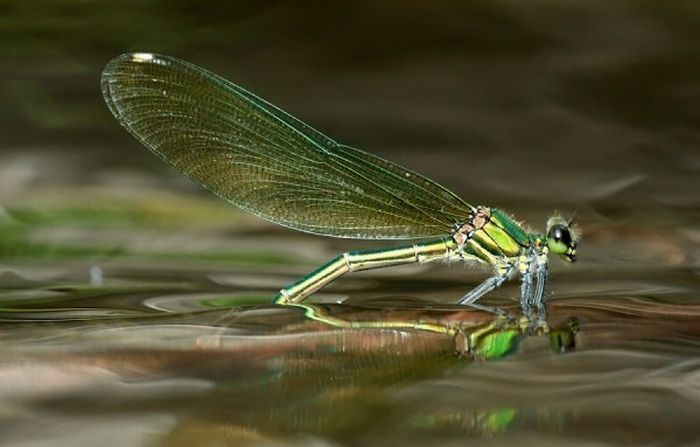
<point x="258" y="157"/>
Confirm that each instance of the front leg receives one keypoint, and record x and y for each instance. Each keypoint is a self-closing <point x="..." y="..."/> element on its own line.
<point x="525" y="268"/>
<point x="503" y="273"/>
<point x="542" y="274"/>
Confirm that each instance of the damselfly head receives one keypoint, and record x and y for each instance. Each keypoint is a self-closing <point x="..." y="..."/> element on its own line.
<point x="563" y="236"/>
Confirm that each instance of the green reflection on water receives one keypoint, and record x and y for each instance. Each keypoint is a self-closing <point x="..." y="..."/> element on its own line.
<point x="496" y="345"/>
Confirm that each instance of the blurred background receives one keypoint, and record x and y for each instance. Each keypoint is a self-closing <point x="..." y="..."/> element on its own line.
<point x="577" y="103"/>
<point x="118" y="276"/>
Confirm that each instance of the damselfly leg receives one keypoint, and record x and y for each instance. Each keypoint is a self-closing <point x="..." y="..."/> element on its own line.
<point x="490" y="284"/>
<point x="542" y="273"/>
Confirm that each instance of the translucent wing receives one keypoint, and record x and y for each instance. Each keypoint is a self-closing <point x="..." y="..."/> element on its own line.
<point x="265" y="161"/>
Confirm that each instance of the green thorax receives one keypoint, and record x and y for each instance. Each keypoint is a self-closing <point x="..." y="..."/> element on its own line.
<point x="496" y="236"/>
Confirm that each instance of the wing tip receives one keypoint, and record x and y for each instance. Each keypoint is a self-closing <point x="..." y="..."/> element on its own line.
<point x="136" y="57"/>
<point x="114" y="68"/>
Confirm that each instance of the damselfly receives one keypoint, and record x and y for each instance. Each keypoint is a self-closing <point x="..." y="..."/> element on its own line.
<point x="258" y="157"/>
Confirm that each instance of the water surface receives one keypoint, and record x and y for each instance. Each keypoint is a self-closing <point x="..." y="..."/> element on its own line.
<point x="152" y="328"/>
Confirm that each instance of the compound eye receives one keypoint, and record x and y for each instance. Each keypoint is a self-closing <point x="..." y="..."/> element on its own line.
<point x="561" y="234"/>
<point x="559" y="239"/>
<point x="557" y="234"/>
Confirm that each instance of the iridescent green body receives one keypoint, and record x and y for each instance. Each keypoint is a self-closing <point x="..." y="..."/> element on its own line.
<point x="263" y="160"/>
<point x="498" y="241"/>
